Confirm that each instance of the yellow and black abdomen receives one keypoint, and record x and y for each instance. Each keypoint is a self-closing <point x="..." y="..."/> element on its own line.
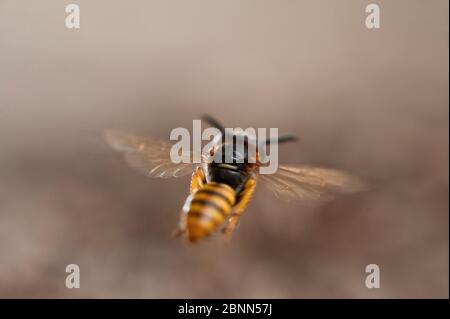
<point x="208" y="208"/>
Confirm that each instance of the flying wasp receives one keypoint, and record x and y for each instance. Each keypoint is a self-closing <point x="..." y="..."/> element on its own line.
<point x="221" y="188"/>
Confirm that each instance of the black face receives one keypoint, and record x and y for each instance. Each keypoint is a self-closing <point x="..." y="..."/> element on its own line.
<point x="231" y="156"/>
<point x="229" y="166"/>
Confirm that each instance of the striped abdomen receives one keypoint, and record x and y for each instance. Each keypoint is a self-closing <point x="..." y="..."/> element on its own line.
<point x="208" y="209"/>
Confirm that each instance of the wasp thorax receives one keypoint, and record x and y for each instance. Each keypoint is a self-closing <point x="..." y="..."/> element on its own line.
<point x="231" y="154"/>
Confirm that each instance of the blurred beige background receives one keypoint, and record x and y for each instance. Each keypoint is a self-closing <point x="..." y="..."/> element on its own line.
<point x="372" y="102"/>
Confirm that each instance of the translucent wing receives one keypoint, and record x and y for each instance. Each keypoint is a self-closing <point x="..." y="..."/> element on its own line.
<point x="147" y="155"/>
<point x="308" y="184"/>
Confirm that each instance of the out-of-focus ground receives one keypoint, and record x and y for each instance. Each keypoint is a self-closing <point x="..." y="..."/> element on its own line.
<point x="373" y="102"/>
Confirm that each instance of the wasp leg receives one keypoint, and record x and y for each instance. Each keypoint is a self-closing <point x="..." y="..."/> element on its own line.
<point x="240" y="207"/>
<point x="198" y="180"/>
<point x="178" y="232"/>
<point x="181" y="229"/>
